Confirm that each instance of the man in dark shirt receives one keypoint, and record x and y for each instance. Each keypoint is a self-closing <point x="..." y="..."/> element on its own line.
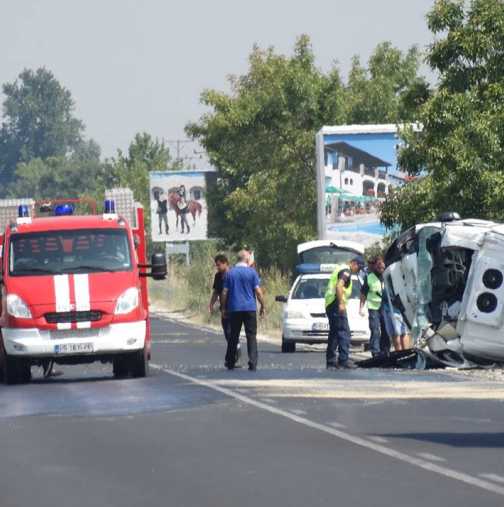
<point x="222" y="266"/>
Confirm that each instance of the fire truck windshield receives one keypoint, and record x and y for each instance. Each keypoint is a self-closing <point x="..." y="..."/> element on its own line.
<point x="71" y="251"/>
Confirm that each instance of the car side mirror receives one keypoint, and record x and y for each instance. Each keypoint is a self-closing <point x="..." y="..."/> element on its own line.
<point x="158" y="266"/>
<point x="281" y="299"/>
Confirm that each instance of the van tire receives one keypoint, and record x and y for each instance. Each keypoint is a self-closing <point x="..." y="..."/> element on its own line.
<point x="288" y="346"/>
<point x="16" y="371"/>
<point x="120" y="367"/>
<point x="139" y="364"/>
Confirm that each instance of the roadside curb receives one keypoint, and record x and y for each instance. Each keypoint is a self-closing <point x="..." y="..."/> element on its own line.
<point x="184" y="319"/>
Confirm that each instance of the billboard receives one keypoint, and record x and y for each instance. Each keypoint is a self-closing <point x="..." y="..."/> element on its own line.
<point x="178" y="209"/>
<point x="356" y="169"/>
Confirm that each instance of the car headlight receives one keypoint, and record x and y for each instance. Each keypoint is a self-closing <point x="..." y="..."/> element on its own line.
<point x="290" y="314"/>
<point x="17" y="307"/>
<point x="127" y="301"/>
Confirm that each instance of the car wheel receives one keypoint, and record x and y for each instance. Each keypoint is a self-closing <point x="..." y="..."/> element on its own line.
<point x="120" y="367"/>
<point x="288" y="346"/>
<point x="16" y="371"/>
<point x="139" y="364"/>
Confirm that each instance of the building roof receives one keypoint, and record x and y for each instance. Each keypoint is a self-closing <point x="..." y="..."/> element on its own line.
<point x="360" y="156"/>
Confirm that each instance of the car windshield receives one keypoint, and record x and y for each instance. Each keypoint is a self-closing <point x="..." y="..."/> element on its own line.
<point x="73" y="251"/>
<point x="310" y="288"/>
<point x="327" y="255"/>
<point x="314" y="288"/>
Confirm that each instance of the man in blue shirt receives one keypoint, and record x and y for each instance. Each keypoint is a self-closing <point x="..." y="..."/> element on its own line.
<point x="241" y="289"/>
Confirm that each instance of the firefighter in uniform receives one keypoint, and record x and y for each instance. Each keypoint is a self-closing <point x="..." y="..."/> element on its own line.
<point x="372" y="293"/>
<point x="338" y="291"/>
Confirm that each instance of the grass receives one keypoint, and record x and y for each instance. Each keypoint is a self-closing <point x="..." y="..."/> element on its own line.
<point x="188" y="289"/>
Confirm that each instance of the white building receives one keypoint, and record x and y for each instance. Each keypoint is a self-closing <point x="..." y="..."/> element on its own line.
<point x="355" y="171"/>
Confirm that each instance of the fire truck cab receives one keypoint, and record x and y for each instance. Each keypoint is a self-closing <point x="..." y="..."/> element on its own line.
<point x="74" y="288"/>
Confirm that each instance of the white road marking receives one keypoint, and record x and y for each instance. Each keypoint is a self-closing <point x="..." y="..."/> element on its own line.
<point x="378" y="439"/>
<point x="298" y="411"/>
<point x="348" y="437"/>
<point x="337" y="425"/>
<point x="268" y="400"/>
<point x="430" y="457"/>
<point x="170" y="334"/>
<point x="493" y="477"/>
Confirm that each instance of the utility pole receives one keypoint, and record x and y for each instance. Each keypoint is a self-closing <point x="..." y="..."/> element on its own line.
<point x="178" y="146"/>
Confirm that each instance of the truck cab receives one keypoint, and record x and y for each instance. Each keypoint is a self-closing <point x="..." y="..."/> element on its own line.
<point x="74" y="291"/>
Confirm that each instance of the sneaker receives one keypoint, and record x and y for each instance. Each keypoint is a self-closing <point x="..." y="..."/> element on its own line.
<point x="332" y="367"/>
<point x="252" y="367"/>
<point x="348" y="365"/>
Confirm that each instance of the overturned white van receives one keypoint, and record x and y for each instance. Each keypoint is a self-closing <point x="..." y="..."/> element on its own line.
<point x="447" y="278"/>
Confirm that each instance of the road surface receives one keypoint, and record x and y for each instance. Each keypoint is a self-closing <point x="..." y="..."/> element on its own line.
<point x="290" y="434"/>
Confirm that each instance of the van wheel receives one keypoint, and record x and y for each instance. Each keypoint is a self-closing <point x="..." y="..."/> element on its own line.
<point x="288" y="346"/>
<point x="16" y="371"/>
<point x="139" y="364"/>
<point x="120" y="367"/>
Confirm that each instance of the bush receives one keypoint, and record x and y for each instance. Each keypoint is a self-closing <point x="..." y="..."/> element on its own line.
<point x="188" y="288"/>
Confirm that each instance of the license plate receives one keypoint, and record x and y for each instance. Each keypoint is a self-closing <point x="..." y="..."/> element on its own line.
<point x="73" y="348"/>
<point x="320" y="326"/>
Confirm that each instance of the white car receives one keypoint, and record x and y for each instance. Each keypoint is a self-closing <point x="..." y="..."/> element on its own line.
<point x="304" y="316"/>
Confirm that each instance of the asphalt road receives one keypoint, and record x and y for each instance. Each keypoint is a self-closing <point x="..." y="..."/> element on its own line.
<point x="290" y="434"/>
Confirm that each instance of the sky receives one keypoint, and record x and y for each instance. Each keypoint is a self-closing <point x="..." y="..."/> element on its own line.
<point x="140" y="65"/>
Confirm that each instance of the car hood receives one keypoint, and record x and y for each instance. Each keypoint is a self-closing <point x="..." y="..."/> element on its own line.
<point x="307" y="306"/>
<point x="69" y="292"/>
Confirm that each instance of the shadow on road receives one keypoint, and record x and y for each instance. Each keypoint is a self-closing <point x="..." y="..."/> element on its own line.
<point x="462" y="440"/>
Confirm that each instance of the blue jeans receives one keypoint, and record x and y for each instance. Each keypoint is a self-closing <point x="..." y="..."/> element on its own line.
<point x="339" y="335"/>
<point x="379" y="340"/>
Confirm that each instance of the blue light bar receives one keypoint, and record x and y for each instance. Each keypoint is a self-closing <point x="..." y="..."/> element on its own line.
<point x="23" y="211"/>
<point x="64" y="210"/>
<point x="109" y="206"/>
<point x="304" y="269"/>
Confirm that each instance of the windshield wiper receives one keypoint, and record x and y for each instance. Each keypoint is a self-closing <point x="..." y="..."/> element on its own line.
<point x="29" y="271"/>
<point x="89" y="268"/>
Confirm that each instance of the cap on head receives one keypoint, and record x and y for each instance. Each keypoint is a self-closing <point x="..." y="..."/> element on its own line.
<point x="359" y="261"/>
<point x="356" y="264"/>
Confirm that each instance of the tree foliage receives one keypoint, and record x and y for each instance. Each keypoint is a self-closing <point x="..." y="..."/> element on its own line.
<point x="459" y="153"/>
<point x="132" y="169"/>
<point x="260" y="136"/>
<point x="38" y="121"/>
<point x="388" y="90"/>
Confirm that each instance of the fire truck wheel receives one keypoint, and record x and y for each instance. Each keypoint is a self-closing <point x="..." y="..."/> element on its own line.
<point x="120" y="367"/>
<point x="139" y="364"/>
<point x="16" y="371"/>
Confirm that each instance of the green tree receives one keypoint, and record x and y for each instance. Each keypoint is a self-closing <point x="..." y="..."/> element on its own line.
<point x="132" y="169"/>
<point x="388" y="90"/>
<point x="81" y="173"/>
<point x="38" y="121"/>
<point x="459" y="152"/>
<point x="261" y="138"/>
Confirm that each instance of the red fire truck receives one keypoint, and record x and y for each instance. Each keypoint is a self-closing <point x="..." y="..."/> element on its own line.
<point x="74" y="287"/>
